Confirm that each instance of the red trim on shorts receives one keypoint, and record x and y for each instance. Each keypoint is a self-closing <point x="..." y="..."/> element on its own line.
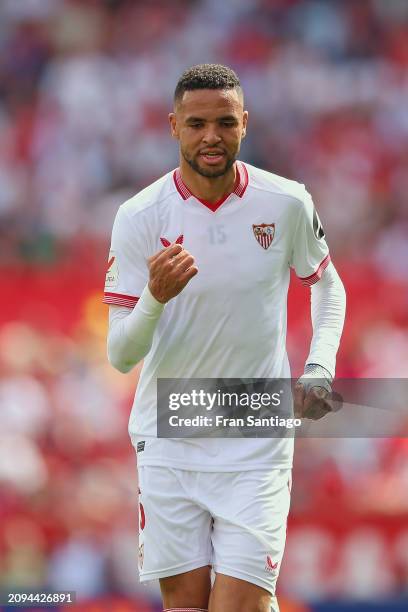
<point x="241" y="184"/>
<point x="313" y="278"/>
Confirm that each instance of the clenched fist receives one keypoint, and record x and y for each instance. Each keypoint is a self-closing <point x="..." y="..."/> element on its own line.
<point x="170" y="270"/>
<point x="313" y="403"/>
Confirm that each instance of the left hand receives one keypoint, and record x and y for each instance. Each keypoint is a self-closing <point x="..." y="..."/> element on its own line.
<point x="313" y="404"/>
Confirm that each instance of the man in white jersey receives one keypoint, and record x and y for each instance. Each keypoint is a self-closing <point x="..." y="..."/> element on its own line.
<point x="197" y="285"/>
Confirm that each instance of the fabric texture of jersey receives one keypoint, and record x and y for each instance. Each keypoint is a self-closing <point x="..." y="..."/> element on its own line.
<point x="241" y="535"/>
<point x="230" y="320"/>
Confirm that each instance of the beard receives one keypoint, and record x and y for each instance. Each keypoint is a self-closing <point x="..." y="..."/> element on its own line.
<point x="208" y="173"/>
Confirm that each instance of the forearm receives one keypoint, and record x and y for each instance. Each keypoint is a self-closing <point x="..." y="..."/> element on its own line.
<point x="131" y="333"/>
<point x="328" y="306"/>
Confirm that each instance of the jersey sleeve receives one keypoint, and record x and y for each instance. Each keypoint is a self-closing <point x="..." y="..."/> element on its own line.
<point x="310" y="254"/>
<point x="127" y="272"/>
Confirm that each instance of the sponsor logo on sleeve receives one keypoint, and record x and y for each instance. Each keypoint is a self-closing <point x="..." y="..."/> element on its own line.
<point x="317" y="226"/>
<point x="112" y="273"/>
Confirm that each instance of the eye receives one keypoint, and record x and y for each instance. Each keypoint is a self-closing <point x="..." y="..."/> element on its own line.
<point x="228" y="124"/>
<point x="196" y="125"/>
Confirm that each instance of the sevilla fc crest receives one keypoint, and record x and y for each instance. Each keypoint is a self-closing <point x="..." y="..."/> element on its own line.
<point x="264" y="234"/>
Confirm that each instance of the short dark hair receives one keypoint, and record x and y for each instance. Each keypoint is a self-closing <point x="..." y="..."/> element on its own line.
<point x="207" y="76"/>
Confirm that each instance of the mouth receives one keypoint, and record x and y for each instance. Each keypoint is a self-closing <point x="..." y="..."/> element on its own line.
<point x="212" y="158"/>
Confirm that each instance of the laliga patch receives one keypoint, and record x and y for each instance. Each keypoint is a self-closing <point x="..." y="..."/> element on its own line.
<point x="264" y="233"/>
<point x="112" y="273"/>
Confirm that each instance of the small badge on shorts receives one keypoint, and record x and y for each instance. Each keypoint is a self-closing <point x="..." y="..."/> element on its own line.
<point x="140" y="446"/>
<point x="264" y="233"/>
<point x="141" y="555"/>
<point x="270" y="566"/>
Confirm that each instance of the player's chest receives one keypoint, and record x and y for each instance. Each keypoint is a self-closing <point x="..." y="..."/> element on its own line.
<point x="242" y="249"/>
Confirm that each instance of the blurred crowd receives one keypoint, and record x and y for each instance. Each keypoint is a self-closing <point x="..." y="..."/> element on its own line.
<point x="68" y="486"/>
<point x="85" y="88"/>
<point x="86" y="85"/>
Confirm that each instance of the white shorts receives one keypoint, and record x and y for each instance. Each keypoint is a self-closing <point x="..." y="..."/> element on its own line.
<point x="233" y="521"/>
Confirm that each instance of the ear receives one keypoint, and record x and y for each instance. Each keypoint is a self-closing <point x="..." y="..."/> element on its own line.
<point x="244" y="123"/>
<point x="173" y="125"/>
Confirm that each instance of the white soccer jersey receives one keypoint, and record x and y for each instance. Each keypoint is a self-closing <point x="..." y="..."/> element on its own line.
<point x="230" y="320"/>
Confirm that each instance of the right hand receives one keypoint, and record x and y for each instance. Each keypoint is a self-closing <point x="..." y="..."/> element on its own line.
<point x="170" y="270"/>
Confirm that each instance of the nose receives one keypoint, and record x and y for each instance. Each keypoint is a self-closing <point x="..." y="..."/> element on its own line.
<point x="211" y="136"/>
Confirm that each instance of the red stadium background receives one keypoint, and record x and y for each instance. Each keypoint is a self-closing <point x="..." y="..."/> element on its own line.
<point x="85" y="88"/>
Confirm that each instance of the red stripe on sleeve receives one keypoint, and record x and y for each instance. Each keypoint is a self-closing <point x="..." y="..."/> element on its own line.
<point x="120" y="299"/>
<point x="313" y="278"/>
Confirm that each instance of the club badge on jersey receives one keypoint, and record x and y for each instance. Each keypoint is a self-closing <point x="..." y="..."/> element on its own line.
<point x="264" y="234"/>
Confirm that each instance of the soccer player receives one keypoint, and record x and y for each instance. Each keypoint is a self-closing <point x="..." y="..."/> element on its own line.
<point x="197" y="286"/>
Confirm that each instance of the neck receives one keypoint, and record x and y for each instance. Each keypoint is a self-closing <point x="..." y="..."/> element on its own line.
<point x="209" y="189"/>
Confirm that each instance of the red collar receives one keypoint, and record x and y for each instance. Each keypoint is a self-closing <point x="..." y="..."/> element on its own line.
<point x="240" y="186"/>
